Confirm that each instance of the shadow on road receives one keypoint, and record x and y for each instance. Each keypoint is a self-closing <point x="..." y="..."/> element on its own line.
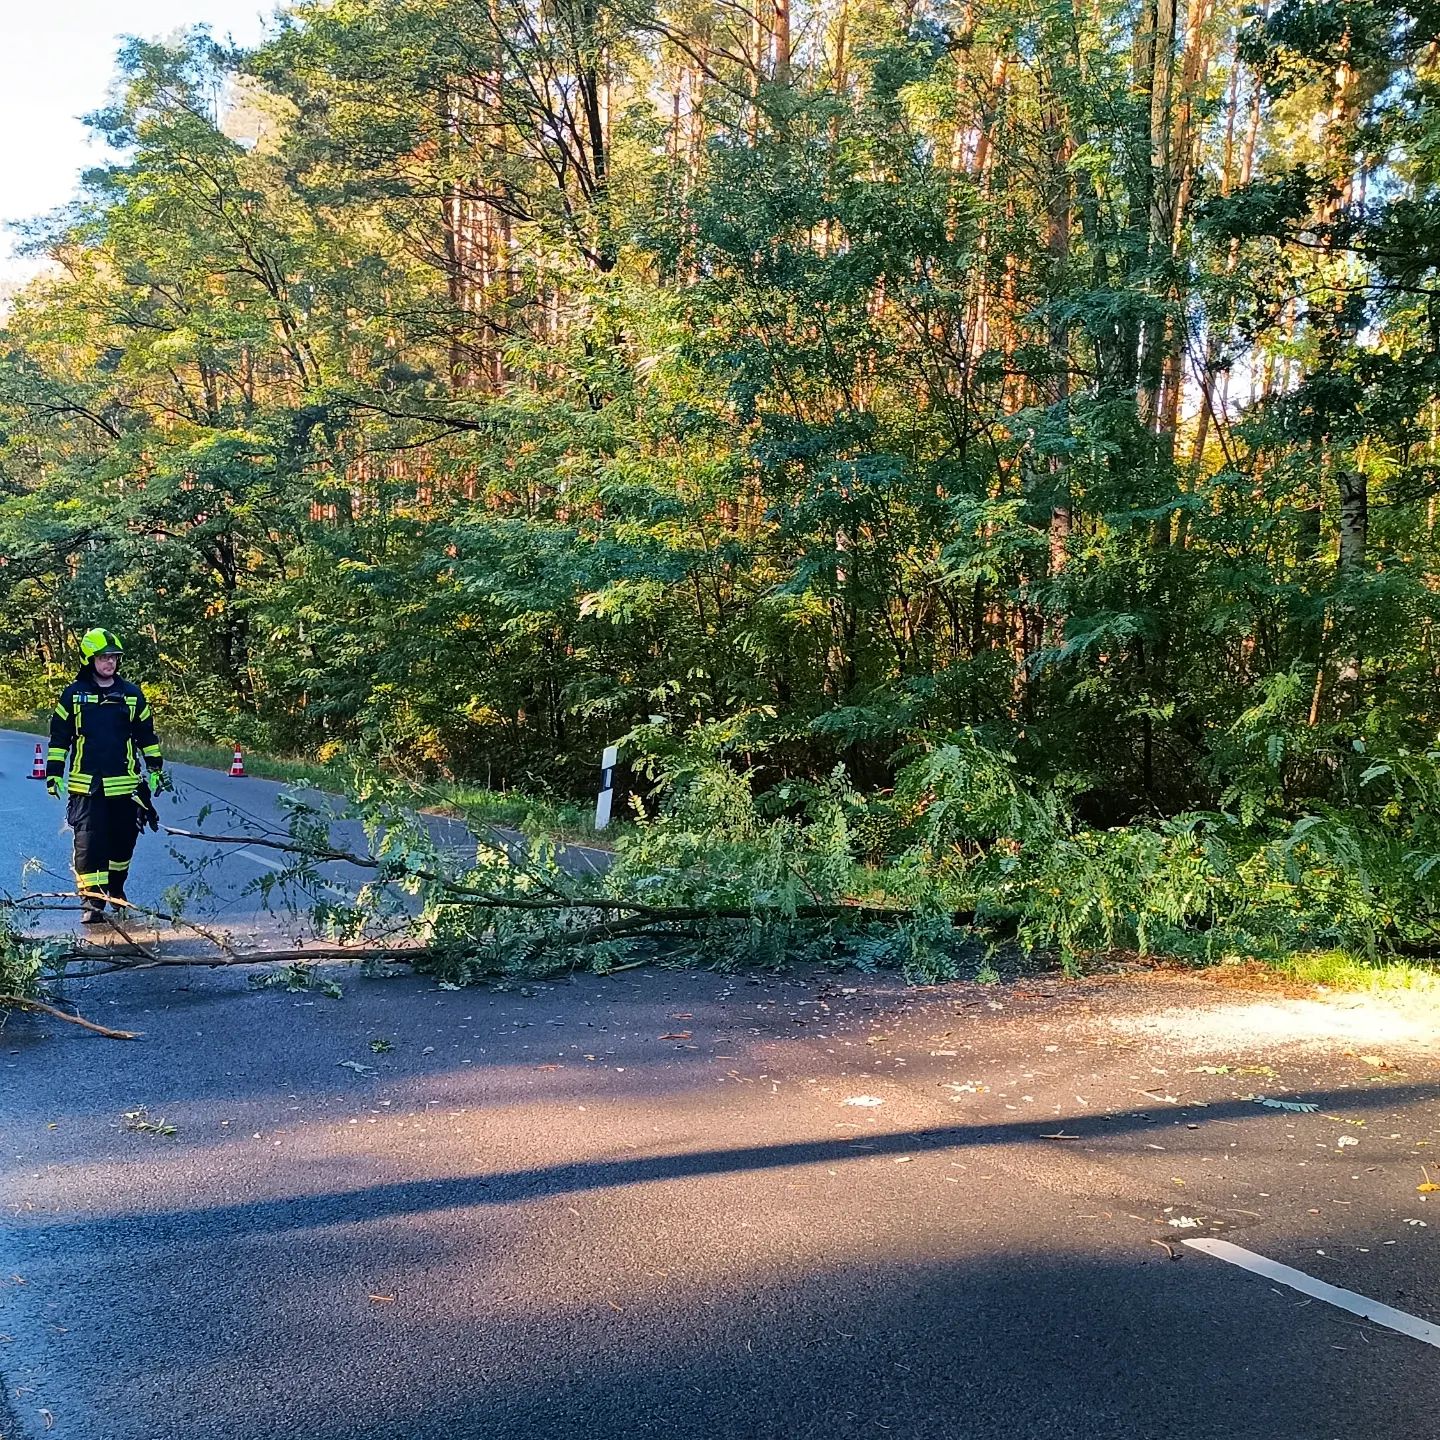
<point x="753" y="1282"/>
<point x="134" y="1230"/>
<point x="1042" y="1344"/>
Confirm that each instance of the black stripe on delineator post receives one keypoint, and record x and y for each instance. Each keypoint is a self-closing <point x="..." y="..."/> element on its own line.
<point x="607" y="786"/>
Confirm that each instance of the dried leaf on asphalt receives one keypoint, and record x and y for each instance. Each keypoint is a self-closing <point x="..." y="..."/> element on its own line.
<point x="357" y="1067"/>
<point x="383" y="1299"/>
<point x="140" y="1122"/>
<point x="677" y="1035"/>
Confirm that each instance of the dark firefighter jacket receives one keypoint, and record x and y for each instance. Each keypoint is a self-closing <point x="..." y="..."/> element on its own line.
<point x="106" y="733"/>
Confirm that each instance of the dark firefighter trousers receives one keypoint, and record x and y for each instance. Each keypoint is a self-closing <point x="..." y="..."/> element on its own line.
<point x="106" y="828"/>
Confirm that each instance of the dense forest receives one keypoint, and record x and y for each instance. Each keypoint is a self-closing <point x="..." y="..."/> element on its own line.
<point x="1028" y="408"/>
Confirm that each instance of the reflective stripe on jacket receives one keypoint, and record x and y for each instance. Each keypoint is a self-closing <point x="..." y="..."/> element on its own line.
<point x="105" y="733"/>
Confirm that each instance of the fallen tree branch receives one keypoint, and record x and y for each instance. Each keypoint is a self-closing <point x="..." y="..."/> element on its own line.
<point x="302" y="955"/>
<point x="326" y="855"/>
<point x="489" y="900"/>
<point x="19" y="1002"/>
<point x="27" y="902"/>
<point x="125" y="935"/>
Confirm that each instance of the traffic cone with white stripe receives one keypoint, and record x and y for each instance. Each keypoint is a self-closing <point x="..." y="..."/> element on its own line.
<point x="237" y="765"/>
<point x="37" y="770"/>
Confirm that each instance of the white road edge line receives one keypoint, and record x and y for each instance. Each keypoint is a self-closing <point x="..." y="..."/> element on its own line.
<point x="1360" y="1305"/>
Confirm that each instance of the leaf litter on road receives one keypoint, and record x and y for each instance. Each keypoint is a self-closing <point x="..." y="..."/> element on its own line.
<point x="140" y="1122"/>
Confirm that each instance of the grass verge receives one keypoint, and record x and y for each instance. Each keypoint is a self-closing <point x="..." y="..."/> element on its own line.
<point x="1339" y="971"/>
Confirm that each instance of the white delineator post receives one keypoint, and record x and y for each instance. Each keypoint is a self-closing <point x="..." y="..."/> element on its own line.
<point x="607" y="786"/>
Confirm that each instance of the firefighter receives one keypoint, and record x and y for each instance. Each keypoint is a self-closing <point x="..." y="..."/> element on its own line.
<point x="104" y="727"/>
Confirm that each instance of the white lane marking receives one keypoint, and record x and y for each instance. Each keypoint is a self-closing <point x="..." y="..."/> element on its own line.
<point x="1360" y="1305"/>
<point x="276" y="865"/>
<point x="264" y="860"/>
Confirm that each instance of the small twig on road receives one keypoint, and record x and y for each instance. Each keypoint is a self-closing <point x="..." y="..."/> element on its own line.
<point x="19" y="1002"/>
<point x="125" y="935"/>
<point x="26" y="902"/>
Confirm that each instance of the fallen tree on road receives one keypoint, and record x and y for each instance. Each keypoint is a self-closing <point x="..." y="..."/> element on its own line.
<point x="959" y="852"/>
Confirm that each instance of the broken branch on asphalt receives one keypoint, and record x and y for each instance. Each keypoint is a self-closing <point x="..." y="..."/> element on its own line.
<point x="21" y="1002"/>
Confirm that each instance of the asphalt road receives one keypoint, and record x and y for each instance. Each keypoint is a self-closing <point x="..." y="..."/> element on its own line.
<point x="35" y="843"/>
<point x="668" y="1203"/>
<point x="222" y="885"/>
<point x="814" y="1214"/>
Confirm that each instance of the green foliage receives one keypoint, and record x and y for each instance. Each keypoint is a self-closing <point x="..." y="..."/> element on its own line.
<point x="296" y="978"/>
<point x="959" y="494"/>
<point x="23" y="959"/>
<point x="918" y="880"/>
<point x="139" y="1122"/>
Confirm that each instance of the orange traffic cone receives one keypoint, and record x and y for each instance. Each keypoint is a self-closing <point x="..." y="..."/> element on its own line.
<point x="37" y="770"/>
<point x="237" y="765"/>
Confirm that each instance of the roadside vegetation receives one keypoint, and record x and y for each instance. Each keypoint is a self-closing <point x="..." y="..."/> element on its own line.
<point x="980" y="463"/>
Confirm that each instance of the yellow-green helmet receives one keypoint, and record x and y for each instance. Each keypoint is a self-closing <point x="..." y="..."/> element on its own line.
<point x="100" y="642"/>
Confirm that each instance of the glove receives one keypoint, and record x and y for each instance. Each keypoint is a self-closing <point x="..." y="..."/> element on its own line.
<point x="52" y="785"/>
<point x="160" y="781"/>
<point x="146" y="813"/>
